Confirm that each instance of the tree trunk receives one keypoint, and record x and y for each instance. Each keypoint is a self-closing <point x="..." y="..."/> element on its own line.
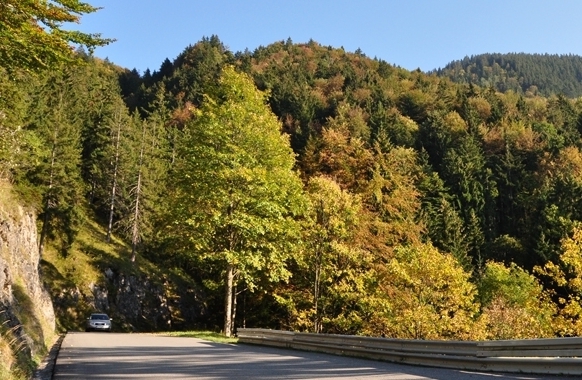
<point x="136" y="214"/>
<point x="316" y="327"/>
<point x="114" y="184"/>
<point x="44" y="229"/>
<point x="229" y="285"/>
<point x="234" y="304"/>
<point x="43" y="233"/>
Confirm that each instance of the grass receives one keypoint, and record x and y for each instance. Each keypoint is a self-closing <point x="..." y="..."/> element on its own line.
<point x="205" y="335"/>
<point x="7" y="198"/>
<point x="36" y="327"/>
<point x="84" y="264"/>
<point x="7" y="358"/>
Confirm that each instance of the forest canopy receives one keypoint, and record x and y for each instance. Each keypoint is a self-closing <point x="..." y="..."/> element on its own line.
<point x="526" y="74"/>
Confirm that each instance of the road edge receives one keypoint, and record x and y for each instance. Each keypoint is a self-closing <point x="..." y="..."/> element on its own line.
<point x="46" y="368"/>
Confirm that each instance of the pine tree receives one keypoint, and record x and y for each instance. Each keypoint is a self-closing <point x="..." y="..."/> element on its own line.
<point x="119" y="124"/>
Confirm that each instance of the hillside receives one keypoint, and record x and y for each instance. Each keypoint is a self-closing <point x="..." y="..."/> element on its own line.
<point x="431" y="163"/>
<point x="42" y="298"/>
<point x="302" y="187"/>
<point x="527" y="74"/>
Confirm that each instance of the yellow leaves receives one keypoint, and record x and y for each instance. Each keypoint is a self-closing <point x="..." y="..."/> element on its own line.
<point x="515" y="133"/>
<point x="566" y="166"/>
<point x="482" y="107"/>
<point x="504" y="320"/>
<point x="332" y="264"/>
<point x="329" y="91"/>
<point x="455" y="123"/>
<point x="567" y="274"/>
<point x="572" y="258"/>
<point x="410" y="125"/>
<point x="569" y="320"/>
<point x="342" y="157"/>
<point x="430" y="295"/>
<point x="514" y="304"/>
<point x="524" y="138"/>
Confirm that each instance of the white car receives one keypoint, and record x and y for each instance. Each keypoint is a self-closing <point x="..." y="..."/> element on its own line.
<point x="98" y="322"/>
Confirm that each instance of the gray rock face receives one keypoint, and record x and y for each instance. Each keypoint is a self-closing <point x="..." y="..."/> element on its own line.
<point x="135" y="302"/>
<point x="144" y="304"/>
<point x="21" y="289"/>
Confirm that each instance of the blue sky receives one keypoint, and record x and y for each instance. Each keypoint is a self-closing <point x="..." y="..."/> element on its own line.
<point x="425" y="34"/>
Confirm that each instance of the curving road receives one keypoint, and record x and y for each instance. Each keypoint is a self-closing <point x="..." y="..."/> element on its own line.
<point x="145" y="356"/>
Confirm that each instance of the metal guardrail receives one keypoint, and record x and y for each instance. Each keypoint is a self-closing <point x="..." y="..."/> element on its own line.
<point x="557" y="356"/>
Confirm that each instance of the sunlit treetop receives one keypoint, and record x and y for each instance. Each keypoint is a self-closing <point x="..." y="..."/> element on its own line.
<point x="32" y="37"/>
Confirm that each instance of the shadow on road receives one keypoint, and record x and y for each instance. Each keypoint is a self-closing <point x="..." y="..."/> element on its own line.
<point x="188" y="358"/>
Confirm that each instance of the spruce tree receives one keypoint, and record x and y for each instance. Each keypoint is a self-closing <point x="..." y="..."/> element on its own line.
<point x="57" y="177"/>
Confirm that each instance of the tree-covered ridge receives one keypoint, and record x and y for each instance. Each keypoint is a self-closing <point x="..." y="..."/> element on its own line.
<point x="527" y="74"/>
<point x="458" y="167"/>
<point x="328" y="191"/>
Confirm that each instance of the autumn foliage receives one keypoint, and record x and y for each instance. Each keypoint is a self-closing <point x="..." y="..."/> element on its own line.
<point x="324" y="190"/>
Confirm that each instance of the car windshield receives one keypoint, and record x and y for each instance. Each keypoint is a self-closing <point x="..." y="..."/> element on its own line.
<point x="99" y="316"/>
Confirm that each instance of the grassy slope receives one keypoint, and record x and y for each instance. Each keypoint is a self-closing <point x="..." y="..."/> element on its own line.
<point x="206" y="335"/>
<point x="69" y="278"/>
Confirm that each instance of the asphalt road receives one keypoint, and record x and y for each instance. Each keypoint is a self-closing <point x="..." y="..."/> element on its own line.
<point x="144" y="356"/>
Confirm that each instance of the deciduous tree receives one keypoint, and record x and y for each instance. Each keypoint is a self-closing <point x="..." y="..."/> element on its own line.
<point x="332" y="266"/>
<point x="430" y="296"/>
<point x="33" y="36"/>
<point x="237" y="193"/>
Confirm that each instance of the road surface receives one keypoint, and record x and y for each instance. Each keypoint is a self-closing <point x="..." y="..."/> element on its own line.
<point x="145" y="356"/>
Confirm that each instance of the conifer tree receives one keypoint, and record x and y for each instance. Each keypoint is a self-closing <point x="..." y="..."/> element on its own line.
<point x="144" y="160"/>
<point x="103" y="105"/>
<point x="55" y="121"/>
<point x="13" y="108"/>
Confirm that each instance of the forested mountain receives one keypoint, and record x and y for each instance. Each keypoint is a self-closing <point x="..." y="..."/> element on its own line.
<point x="524" y="74"/>
<point x="304" y="187"/>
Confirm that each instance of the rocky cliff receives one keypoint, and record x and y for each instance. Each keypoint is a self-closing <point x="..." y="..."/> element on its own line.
<point x="136" y="302"/>
<point x="27" y="319"/>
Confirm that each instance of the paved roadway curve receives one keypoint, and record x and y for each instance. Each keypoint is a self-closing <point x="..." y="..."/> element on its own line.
<point x="144" y="356"/>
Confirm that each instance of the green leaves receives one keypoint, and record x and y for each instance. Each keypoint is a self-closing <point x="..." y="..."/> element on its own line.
<point x="32" y="35"/>
<point x="237" y="195"/>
